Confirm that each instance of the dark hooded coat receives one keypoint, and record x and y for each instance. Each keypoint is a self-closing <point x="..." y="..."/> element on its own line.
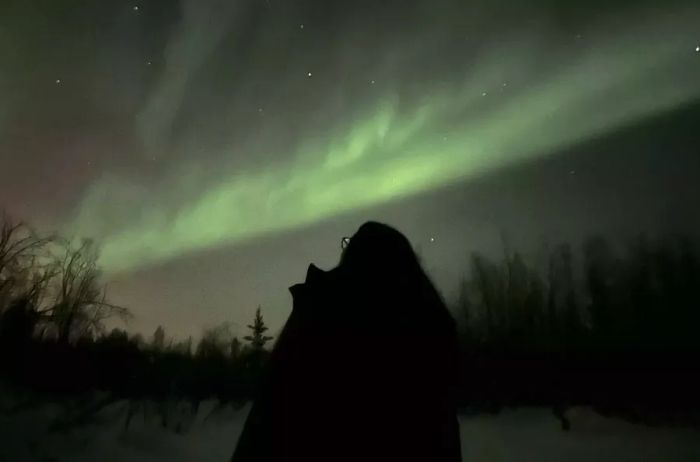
<point x="365" y="367"/>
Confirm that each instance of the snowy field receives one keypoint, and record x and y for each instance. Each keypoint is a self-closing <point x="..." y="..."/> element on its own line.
<point x="519" y="435"/>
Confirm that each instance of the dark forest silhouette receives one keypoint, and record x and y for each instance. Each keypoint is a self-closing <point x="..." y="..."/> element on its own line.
<point x="616" y="330"/>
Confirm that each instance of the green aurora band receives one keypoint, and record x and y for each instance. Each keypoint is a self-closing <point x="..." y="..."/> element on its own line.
<point x="401" y="147"/>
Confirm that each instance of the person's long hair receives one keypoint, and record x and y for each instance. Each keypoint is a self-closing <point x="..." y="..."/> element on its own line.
<point x="383" y="263"/>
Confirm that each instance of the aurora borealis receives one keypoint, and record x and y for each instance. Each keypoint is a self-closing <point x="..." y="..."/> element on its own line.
<point x="396" y="145"/>
<point x="166" y="130"/>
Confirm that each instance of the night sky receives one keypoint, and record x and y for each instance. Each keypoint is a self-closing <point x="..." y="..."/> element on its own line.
<point x="215" y="148"/>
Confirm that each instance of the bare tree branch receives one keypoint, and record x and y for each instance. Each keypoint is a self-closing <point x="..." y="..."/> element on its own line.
<point x="80" y="306"/>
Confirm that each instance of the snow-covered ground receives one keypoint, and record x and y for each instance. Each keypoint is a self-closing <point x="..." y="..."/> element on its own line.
<point x="519" y="435"/>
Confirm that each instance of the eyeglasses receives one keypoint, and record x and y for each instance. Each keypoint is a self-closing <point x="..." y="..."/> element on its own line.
<point x="344" y="242"/>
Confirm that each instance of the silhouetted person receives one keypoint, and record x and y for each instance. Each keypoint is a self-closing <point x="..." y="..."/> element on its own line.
<point x="365" y="367"/>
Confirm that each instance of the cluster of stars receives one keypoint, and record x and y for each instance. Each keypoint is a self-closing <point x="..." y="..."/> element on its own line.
<point x="308" y="74"/>
<point x="579" y="36"/>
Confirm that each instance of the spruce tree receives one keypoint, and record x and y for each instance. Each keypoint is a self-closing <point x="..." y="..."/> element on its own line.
<point x="258" y="339"/>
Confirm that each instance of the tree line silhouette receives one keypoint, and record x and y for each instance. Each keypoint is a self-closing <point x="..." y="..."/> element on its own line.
<point x="617" y="331"/>
<point x="613" y="330"/>
<point x="53" y="340"/>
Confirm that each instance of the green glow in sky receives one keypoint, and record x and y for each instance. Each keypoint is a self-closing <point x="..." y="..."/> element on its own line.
<point x="495" y="116"/>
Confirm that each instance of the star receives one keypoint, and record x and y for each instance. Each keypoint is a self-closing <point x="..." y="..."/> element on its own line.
<point x="148" y="63"/>
<point x="309" y="74"/>
<point x="572" y="172"/>
<point x="301" y="26"/>
<point x="432" y="239"/>
<point x="505" y="84"/>
<point x="697" y="49"/>
<point x="260" y="110"/>
<point x="136" y="7"/>
<point x="372" y="82"/>
<point x="58" y="81"/>
<point x="484" y="94"/>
